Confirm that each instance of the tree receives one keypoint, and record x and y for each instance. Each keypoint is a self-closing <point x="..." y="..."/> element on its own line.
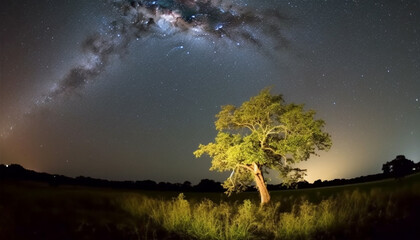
<point x="386" y="168"/>
<point x="399" y="167"/>
<point x="263" y="133"/>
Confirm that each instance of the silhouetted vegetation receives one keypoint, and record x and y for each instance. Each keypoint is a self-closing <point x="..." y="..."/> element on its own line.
<point x="399" y="167"/>
<point x="385" y="209"/>
<point x="17" y="172"/>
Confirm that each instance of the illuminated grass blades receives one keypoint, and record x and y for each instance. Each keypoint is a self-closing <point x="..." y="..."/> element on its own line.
<point x="386" y="209"/>
<point x="349" y="211"/>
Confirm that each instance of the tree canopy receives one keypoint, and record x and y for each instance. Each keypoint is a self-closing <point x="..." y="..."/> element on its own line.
<point x="264" y="133"/>
<point x="398" y="167"/>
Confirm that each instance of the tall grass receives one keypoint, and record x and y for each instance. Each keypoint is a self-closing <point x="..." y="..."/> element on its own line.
<point x="348" y="215"/>
<point x="382" y="210"/>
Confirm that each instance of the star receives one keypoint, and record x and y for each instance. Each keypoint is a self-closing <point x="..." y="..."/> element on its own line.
<point x="122" y="80"/>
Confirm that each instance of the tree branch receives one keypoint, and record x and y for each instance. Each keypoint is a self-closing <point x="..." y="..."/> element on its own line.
<point x="249" y="126"/>
<point x="246" y="167"/>
<point x="271" y="150"/>
<point x="273" y="128"/>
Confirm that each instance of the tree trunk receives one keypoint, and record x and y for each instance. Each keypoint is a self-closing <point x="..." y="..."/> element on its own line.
<point x="262" y="188"/>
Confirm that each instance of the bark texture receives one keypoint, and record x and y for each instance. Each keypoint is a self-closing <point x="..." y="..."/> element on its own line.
<point x="262" y="188"/>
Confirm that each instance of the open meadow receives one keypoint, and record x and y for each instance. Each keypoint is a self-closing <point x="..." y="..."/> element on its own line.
<point x="386" y="209"/>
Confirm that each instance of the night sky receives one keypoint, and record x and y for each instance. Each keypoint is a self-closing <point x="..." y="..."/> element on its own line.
<point x="127" y="91"/>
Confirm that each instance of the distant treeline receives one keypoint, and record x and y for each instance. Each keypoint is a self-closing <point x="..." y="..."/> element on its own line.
<point x="335" y="182"/>
<point x="16" y="172"/>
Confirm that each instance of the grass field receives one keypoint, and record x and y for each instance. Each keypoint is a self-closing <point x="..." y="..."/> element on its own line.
<point x="387" y="209"/>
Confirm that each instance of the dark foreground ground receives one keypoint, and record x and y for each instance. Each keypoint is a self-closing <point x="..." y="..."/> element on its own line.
<point x="388" y="209"/>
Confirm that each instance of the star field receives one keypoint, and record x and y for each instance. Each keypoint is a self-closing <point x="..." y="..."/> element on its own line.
<point x="128" y="89"/>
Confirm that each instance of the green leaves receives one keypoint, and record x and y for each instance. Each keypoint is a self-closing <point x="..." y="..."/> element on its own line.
<point x="265" y="131"/>
<point x="225" y="117"/>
